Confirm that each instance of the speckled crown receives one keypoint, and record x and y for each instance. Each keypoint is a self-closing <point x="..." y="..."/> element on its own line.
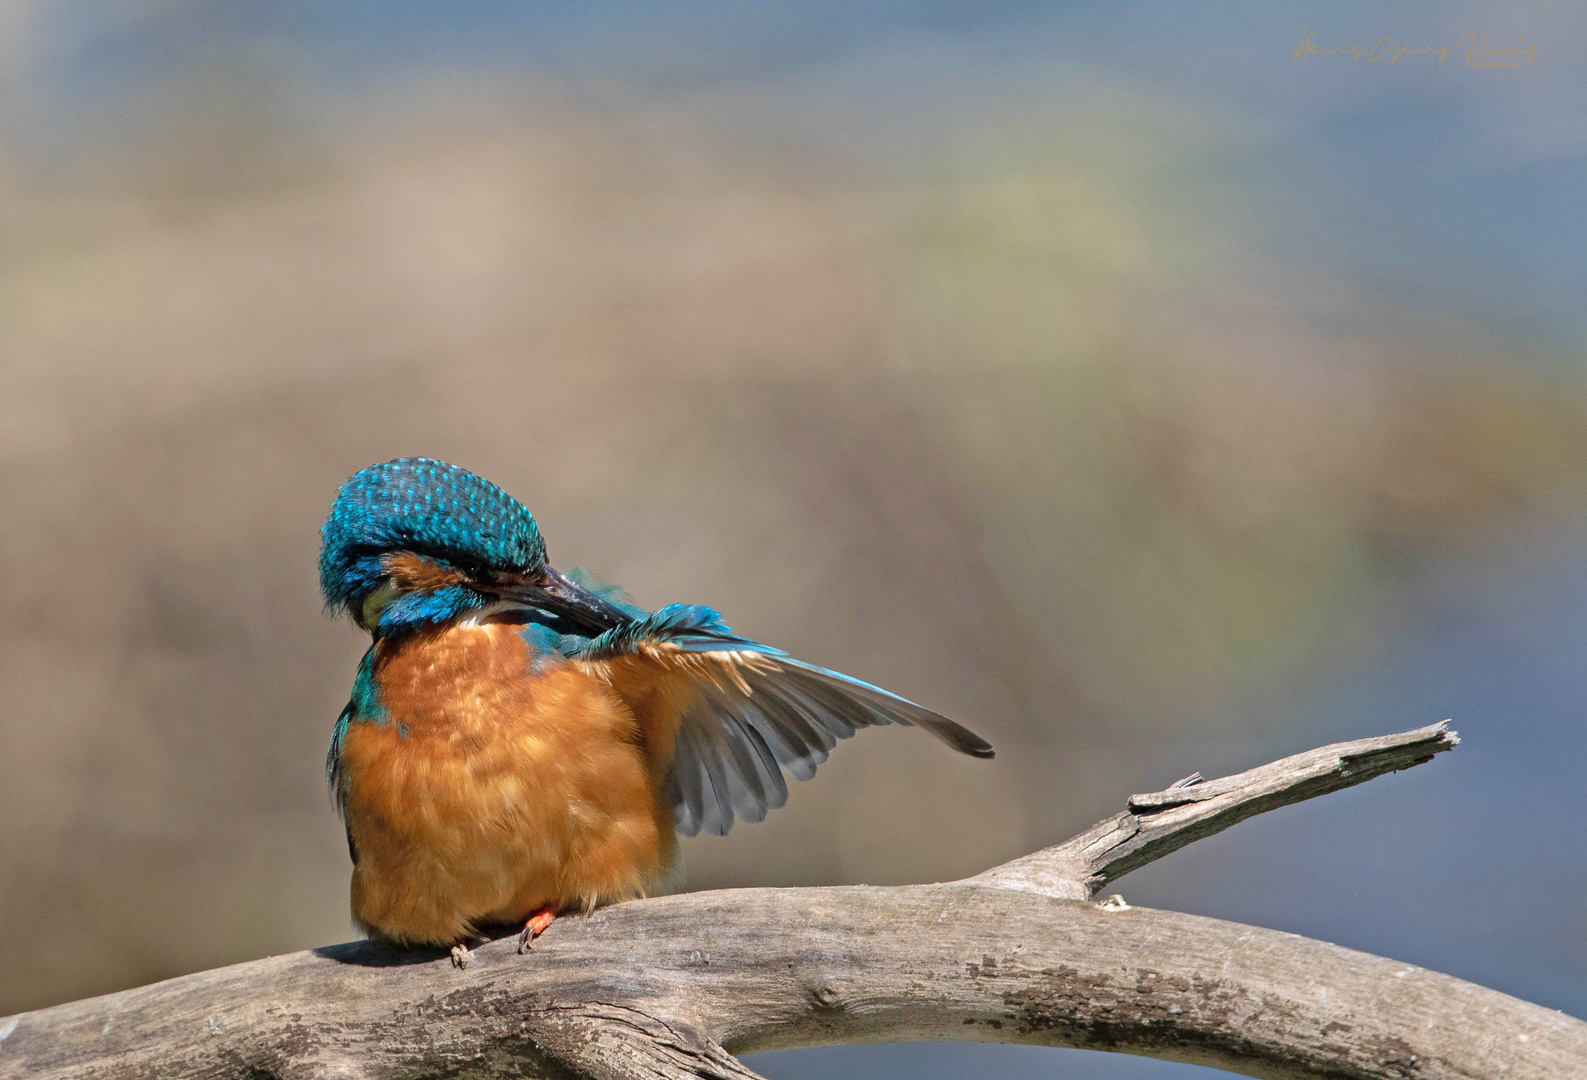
<point x="424" y="506"/>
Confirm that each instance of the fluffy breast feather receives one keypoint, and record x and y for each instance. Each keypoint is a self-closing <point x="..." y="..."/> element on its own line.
<point x="494" y="787"/>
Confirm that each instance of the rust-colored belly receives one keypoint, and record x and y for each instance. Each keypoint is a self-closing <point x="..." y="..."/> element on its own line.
<point x="491" y="791"/>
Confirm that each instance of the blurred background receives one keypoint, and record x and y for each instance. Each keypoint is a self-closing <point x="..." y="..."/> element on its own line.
<point x="1095" y="373"/>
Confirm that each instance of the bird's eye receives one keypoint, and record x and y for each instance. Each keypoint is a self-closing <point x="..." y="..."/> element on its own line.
<point x="375" y="603"/>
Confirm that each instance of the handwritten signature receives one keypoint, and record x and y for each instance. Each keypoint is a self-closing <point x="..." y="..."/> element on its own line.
<point x="1473" y="47"/>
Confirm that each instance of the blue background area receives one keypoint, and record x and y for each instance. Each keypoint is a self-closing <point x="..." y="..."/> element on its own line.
<point x="1410" y="174"/>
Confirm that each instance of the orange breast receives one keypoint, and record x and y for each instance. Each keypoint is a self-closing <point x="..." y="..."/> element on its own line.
<point x="494" y="789"/>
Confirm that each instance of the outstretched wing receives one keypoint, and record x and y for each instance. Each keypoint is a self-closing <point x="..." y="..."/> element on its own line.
<point x="745" y="712"/>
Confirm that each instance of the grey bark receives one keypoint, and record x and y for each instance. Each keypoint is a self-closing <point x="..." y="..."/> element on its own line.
<point x="1165" y="821"/>
<point x="667" y="987"/>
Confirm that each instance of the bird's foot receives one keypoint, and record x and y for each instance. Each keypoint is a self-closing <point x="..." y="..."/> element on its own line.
<point x="535" y="927"/>
<point x="461" y="956"/>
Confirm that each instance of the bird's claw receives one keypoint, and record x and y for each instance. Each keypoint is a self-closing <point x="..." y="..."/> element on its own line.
<point x="461" y="956"/>
<point x="534" y="928"/>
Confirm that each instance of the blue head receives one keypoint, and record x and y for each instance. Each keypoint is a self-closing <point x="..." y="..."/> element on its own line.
<point x="407" y="540"/>
<point x="416" y="542"/>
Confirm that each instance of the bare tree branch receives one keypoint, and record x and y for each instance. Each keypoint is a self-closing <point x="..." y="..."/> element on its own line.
<point x="1165" y="821"/>
<point x="658" y="988"/>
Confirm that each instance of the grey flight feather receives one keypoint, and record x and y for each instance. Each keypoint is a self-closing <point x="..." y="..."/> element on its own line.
<point x="733" y="747"/>
<point x="773" y="713"/>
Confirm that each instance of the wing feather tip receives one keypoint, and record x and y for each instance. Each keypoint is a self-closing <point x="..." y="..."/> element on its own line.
<point x="967" y="742"/>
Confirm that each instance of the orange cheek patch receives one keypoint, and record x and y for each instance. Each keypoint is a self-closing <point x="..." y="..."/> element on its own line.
<point x="409" y="572"/>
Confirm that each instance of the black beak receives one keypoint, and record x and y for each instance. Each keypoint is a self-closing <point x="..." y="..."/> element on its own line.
<point x="568" y="608"/>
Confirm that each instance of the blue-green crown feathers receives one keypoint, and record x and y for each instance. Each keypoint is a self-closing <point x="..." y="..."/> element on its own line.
<point x="427" y="507"/>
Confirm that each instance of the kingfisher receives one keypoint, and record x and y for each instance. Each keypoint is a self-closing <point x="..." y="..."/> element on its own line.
<point x="522" y="743"/>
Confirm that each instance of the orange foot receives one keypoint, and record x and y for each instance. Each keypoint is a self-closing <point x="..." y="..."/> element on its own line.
<point x="535" y="927"/>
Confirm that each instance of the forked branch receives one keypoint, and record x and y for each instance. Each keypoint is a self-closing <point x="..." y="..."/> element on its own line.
<point x="1165" y="821"/>
<point x="666" y="987"/>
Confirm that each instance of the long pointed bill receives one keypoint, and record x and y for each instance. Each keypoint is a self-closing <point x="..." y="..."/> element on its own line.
<point x="573" y="608"/>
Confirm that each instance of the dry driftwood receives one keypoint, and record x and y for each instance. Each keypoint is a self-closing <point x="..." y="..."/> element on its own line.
<point x="666" y="987"/>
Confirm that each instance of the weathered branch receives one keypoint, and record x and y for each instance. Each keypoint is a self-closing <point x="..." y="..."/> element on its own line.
<point x="1193" y="808"/>
<point x="658" y="988"/>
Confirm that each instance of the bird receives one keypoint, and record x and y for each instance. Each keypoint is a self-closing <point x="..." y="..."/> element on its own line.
<point x="520" y="743"/>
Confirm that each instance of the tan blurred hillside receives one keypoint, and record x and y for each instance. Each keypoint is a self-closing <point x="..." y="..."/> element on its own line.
<point x="1020" y="440"/>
